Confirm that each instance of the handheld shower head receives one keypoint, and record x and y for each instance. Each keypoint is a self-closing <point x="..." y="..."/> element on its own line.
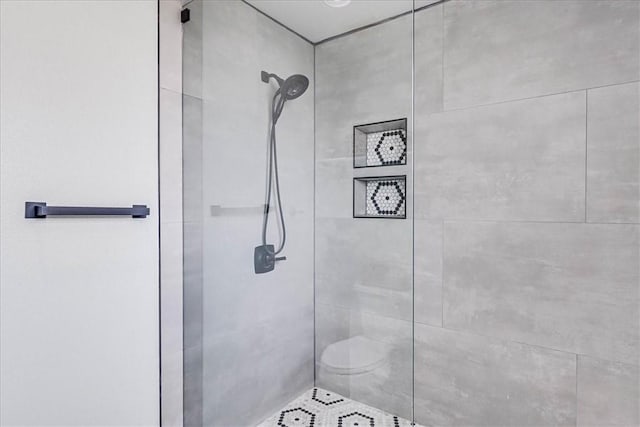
<point x="291" y="88"/>
<point x="294" y="86"/>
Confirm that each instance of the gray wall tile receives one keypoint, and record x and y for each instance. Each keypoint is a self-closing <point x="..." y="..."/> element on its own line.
<point x="502" y="50"/>
<point x="252" y="372"/>
<point x="466" y="379"/>
<point x="613" y="154"/>
<point x="387" y="388"/>
<point x="256" y="330"/>
<point x="234" y="296"/>
<point x="192" y="210"/>
<point x="192" y="284"/>
<point x="517" y="161"/>
<point x="192" y="386"/>
<point x="365" y="264"/>
<point x="429" y="45"/>
<point x="608" y="393"/>
<point x="571" y="287"/>
<point x="427" y="258"/>
<point x="362" y="78"/>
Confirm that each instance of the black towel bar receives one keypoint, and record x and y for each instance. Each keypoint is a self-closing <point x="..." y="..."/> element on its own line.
<point x="41" y="210"/>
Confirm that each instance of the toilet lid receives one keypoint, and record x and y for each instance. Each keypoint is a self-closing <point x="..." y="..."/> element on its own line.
<point x="354" y="355"/>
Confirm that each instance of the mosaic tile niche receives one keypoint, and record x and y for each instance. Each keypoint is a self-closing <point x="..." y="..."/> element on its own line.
<point x="379" y="197"/>
<point x="380" y="144"/>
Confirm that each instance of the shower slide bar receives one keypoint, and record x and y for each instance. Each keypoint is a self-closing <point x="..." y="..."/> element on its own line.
<point x="41" y="210"/>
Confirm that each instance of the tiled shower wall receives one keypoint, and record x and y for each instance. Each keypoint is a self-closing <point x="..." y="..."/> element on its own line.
<point x="363" y="266"/>
<point x="248" y="339"/>
<point x="526" y="211"/>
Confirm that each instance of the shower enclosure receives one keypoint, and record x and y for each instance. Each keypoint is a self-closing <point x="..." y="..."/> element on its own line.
<point x="458" y="187"/>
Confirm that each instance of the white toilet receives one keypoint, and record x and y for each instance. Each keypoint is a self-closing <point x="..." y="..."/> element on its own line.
<point x="354" y="361"/>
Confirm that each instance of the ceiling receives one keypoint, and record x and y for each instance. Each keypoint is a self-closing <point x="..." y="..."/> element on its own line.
<point x="316" y="21"/>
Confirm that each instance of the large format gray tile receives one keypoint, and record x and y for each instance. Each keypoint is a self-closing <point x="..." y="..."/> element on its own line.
<point x="470" y="380"/>
<point x="429" y="41"/>
<point x="192" y="386"/>
<point x="502" y="50"/>
<point x="364" y="264"/>
<point x="428" y="272"/>
<point x="234" y="297"/>
<point x="248" y="374"/>
<point x="256" y="330"/>
<point x="361" y="78"/>
<point x="388" y="387"/>
<point x="192" y="284"/>
<point x="521" y="160"/>
<point x="613" y="154"/>
<point x="571" y="287"/>
<point x="608" y="393"/>
<point x="192" y="210"/>
<point x="230" y="27"/>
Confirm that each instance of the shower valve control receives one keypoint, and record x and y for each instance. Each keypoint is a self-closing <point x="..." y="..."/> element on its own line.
<point x="264" y="258"/>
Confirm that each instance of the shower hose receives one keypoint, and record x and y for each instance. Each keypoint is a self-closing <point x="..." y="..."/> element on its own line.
<point x="273" y="180"/>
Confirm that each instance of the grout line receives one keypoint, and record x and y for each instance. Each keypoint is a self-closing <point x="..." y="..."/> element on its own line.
<point x="442" y="240"/>
<point x="471" y="107"/>
<point x="314" y="221"/>
<point x="503" y="339"/>
<point x="413" y="214"/>
<point x="471" y="332"/>
<point x="509" y="221"/>
<point x="382" y="21"/>
<point x="278" y="22"/>
<point x="576" y="397"/>
<point x="586" y="142"/>
<point x="442" y="60"/>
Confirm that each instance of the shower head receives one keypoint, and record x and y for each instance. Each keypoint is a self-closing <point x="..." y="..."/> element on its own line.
<point x="294" y="86"/>
<point x="291" y="88"/>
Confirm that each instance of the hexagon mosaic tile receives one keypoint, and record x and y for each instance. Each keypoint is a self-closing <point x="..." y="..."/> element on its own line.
<point x="386" y="197"/>
<point x="323" y="408"/>
<point x="387" y="148"/>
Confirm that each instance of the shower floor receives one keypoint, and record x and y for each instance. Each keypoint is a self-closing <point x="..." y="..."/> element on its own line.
<point x="320" y="408"/>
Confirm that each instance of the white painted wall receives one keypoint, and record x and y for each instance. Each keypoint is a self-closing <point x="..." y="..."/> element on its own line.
<point x="78" y="296"/>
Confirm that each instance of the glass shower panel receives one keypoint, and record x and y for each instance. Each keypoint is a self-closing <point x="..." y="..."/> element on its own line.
<point x="363" y="214"/>
<point x="318" y="297"/>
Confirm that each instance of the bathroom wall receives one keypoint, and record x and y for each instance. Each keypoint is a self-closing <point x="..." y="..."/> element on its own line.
<point x="526" y="210"/>
<point x="248" y="338"/>
<point x="363" y="266"/>
<point x="79" y="296"/>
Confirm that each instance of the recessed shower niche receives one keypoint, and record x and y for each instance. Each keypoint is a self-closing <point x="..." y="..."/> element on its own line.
<point x="380" y="144"/>
<point x="380" y="197"/>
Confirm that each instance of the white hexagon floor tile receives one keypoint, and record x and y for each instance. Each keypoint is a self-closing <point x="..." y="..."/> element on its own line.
<point x="323" y="408"/>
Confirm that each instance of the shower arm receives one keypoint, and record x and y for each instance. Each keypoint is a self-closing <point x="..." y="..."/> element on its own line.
<point x="264" y="76"/>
